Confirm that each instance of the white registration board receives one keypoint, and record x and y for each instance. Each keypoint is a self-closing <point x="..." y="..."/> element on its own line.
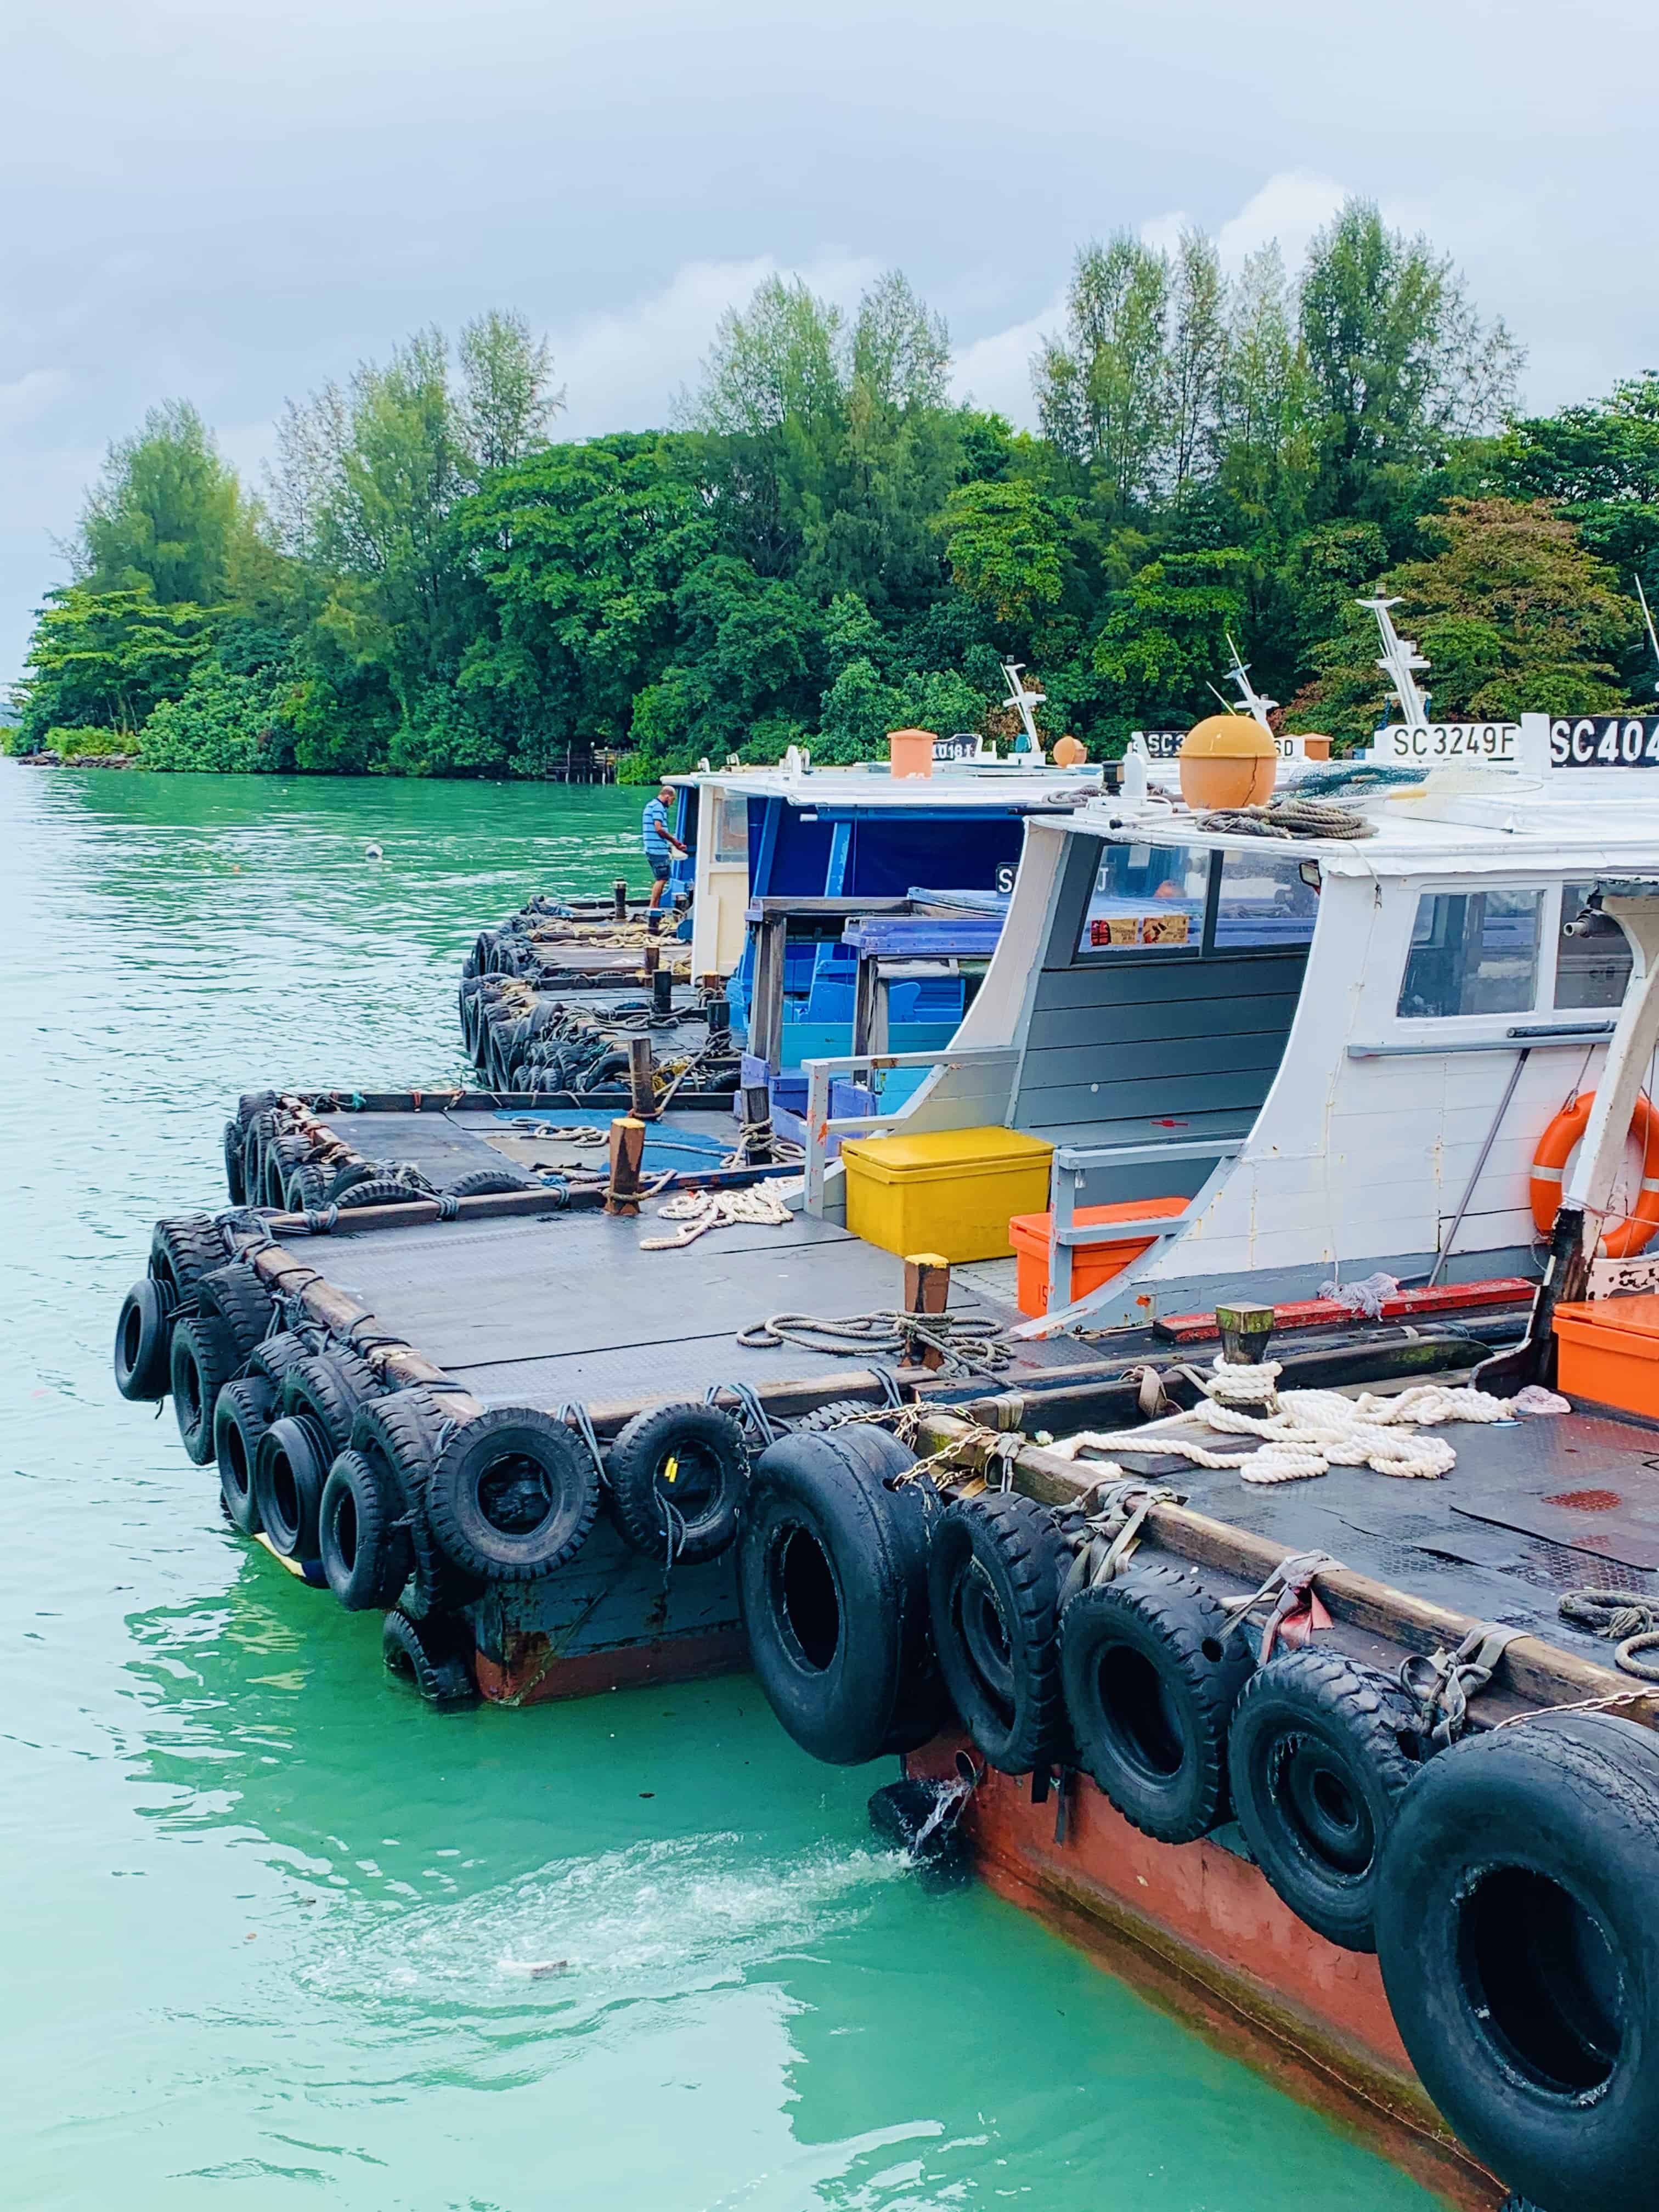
<point x="1420" y="745"/>
<point x="1165" y="745"/>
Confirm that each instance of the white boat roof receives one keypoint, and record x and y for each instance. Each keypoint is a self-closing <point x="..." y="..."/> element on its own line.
<point x="996" y="787"/>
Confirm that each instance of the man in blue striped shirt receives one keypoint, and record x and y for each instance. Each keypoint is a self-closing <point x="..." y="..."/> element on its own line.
<point x="660" y="842"/>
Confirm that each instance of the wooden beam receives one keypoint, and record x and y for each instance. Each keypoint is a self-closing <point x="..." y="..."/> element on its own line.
<point x="627" y="1152"/>
<point x="1536" y="1670"/>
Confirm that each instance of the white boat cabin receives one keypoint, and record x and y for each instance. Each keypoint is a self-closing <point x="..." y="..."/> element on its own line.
<point x="1340" y="1054"/>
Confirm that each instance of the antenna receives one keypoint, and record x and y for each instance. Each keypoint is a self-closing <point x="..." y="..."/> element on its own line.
<point x="1653" y="639"/>
<point x="1400" y="663"/>
<point x="1256" y="703"/>
<point x="1021" y="701"/>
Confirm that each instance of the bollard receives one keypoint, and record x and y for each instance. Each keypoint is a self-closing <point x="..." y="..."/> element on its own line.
<point x="662" y="992"/>
<point x="641" y="1085"/>
<point x="627" y="1155"/>
<point x="619" y="899"/>
<point x="927" y="1291"/>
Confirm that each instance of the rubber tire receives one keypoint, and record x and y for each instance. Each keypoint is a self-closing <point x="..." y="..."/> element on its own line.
<point x="276" y="1354"/>
<point x="238" y="1298"/>
<point x="432" y="1655"/>
<point x="379" y="1190"/>
<point x="283" y="1155"/>
<point x="400" y="1432"/>
<point x="1569" y="1800"/>
<point x="1316" y="1736"/>
<point x="1158" y="1751"/>
<point x="636" y="1462"/>
<point x="455" y="1495"/>
<point x="242" y="1412"/>
<point x="303" y="1191"/>
<point x="361" y="1539"/>
<point x="844" y="1696"/>
<point x="822" y="1419"/>
<point x="289" y="1470"/>
<point x="183" y="1249"/>
<point x="490" y="1182"/>
<point x="900" y="1812"/>
<point x="261" y="1133"/>
<point x="143" y="1342"/>
<point x="347" y="1178"/>
<point x="235" y="1137"/>
<point x="201" y="1360"/>
<point x="322" y="1388"/>
<point x="994" y="1582"/>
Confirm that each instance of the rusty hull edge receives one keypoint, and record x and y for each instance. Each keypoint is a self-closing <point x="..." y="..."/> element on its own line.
<point x="531" y="1671"/>
<point x="1307" y="2057"/>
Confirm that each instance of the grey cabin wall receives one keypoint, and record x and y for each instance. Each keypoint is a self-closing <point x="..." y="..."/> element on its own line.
<point x="1130" y="1047"/>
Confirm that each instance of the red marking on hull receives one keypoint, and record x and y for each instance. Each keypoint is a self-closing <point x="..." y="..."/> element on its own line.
<point x="531" y="1675"/>
<point x="1199" y="1929"/>
<point x="1321" y="1312"/>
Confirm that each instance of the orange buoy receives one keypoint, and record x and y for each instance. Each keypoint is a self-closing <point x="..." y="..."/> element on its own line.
<point x="1549" y="1165"/>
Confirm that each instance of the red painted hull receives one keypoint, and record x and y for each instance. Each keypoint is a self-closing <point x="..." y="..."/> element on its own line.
<point x="1198" y="1928"/>
<point x="532" y="1674"/>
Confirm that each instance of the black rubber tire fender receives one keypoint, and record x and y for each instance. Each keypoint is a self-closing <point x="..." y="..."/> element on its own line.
<point x="511" y="1495"/>
<point x="237" y="1296"/>
<point x="201" y="1360"/>
<point x="348" y="1178"/>
<point x="434" y="1654"/>
<point x="183" y="1248"/>
<point x="1520" y="1952"/>
<point x="1319" y="1753"/>
<point x="303" y="1191"/>
<point x="490" y="1182"/>
<point x="606" y="1069"/>
<point x="362" y="1540"/>
<point x="143" y="1341"/>
<point x="1151" y="1678"/>
<point x="235" y="1137"/>
<point x="994" y="1583"/>
<point x="253" y="1102"/>
<point x="322" y="1388"/>
<point x="402" y="1431"/>
<point x="289" y="1470"/>
<point x="276" y="1354"/>
<point x="658" y="1450"/>
<point x="283" y="1155"/>
<point x="832" y="1416"/>
<point x="261" y="1133"/>
<point x="832" y="1586"/>
<point x="242" y="1412"/>
<point x="378" y="1190"/>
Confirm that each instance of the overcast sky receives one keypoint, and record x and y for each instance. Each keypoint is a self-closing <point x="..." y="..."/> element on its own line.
<point x="236" y="201"/>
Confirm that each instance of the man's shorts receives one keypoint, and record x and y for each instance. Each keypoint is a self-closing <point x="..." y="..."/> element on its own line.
<point x="660" y="870"/>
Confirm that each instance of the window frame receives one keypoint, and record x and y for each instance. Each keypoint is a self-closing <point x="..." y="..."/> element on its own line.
<point x="1423" y="1028"/>
<point x="1200" y="947"/>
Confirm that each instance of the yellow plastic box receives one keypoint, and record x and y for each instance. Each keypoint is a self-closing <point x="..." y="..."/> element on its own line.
<point x="953" y="1192"/>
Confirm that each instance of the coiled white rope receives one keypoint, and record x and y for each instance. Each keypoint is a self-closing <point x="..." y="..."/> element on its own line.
<point x="1306" y="1433"/>
<point x="701" y="1211"/>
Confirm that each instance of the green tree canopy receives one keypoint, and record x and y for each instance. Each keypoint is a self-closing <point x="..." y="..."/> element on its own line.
<point x="168" y="513"/>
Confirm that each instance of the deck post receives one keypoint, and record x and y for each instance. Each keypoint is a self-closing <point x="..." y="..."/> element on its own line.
<point x="619" y="899"/>
<point x="927" y="1292"/>
<point x="627" y="1154"/>
<point x="757" y="1101"/>
<point x="662" y="991"/>
<point x="641" y="1081"/>
<point x="818" y="1141"/>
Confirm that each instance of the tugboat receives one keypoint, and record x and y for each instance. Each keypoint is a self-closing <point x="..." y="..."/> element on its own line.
<point x="1153" y="1430"/>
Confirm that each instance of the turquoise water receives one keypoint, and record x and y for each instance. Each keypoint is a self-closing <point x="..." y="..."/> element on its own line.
<point x="269" y="1922"/>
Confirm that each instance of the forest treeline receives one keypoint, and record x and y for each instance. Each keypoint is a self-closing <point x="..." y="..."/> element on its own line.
<point x="825" y="546"/>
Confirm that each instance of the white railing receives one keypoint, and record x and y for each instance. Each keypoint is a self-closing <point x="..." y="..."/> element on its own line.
<point x="1071" y="1166"/>
<point x="819" y="1073"/>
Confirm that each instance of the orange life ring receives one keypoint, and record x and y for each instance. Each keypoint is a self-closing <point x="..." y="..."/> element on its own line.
<point x="1621" y="1238"/>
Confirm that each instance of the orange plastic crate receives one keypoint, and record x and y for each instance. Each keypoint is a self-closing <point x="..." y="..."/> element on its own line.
<point x="1607" y="1350"/>
<point x="1091" y="1264"/>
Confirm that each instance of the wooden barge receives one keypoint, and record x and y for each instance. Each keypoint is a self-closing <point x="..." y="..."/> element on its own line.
<point x="1279" y="1673"/>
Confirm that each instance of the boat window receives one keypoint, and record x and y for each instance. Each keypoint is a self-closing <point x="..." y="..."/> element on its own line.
<point x="1473" y="952"/>
<point x="731" y="829"/>
<point x="1146" y="898"/>
<point x="1592" y="954"/>
<point x="1264" y="900"/>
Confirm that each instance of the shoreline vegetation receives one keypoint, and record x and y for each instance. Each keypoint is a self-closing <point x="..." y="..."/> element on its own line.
<point x="824" y="545"/>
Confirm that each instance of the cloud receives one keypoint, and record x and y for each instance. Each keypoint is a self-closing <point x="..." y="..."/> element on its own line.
<point x="1290" y="207"/>
<point x="29" y="396"/>
<point x="622" y="370"/>
<point x="995" y="372"/>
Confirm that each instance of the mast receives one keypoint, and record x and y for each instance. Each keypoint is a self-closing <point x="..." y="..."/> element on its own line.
<point x="1653" y="636"/>
<point x="1021" y="701"/>
<point x="1400" y="663"/>
<point x="1256" y="704"/>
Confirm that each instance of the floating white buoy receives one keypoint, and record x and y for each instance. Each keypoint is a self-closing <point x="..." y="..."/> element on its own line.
<point x="372" y="852"/>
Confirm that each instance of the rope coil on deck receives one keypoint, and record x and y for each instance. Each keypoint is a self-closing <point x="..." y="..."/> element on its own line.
<point x="965" y="1341"/>
<point x="1631" y="1623"/>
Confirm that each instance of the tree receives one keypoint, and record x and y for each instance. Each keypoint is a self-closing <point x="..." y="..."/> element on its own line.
<point x="104" y="660"/>
<point x="1004" y="544"/>
<point x="228" y="723"/>
<point x="1164" y="640"/>
<point x="1197" y="360"/>
<point x="1264" y="404"/>
<point x="1100" y="392"/>
<point x="507" y="395"/>
<point x="1512" y="612"/>
<point x="168" y="513"/>
<point x="1399" y="362"/>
